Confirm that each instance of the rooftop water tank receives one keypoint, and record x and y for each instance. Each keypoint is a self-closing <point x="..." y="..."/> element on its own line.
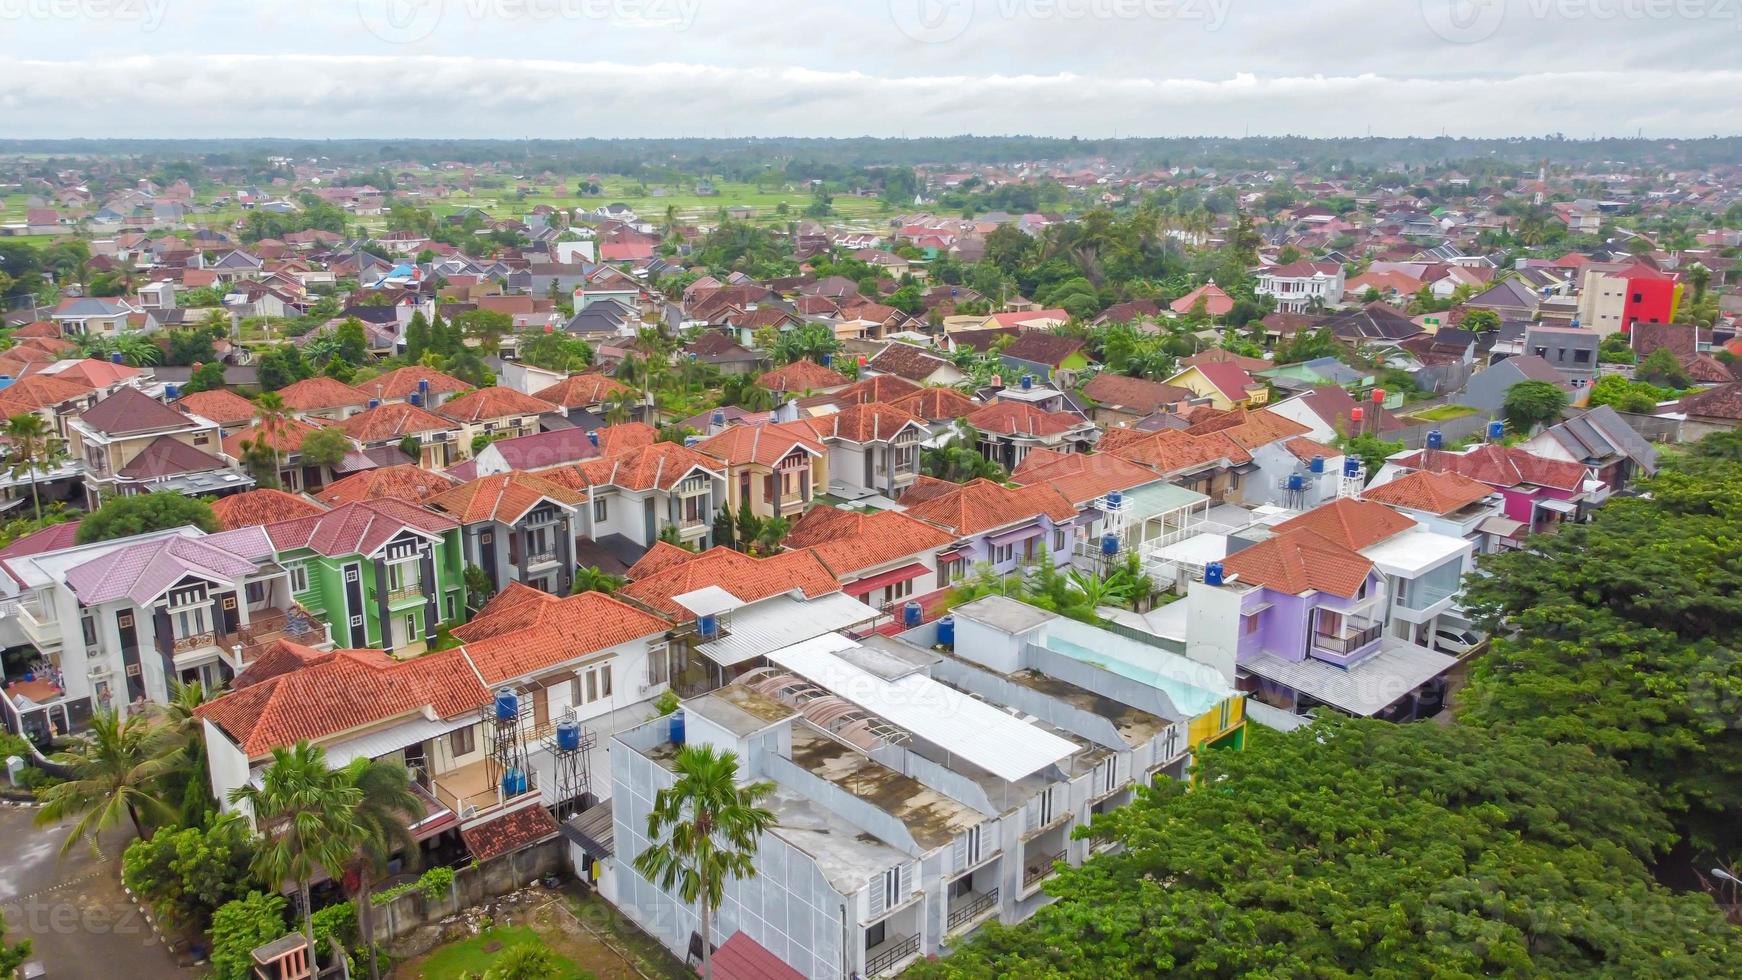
<point x="709" y="626"/>
<point x="1213" y="573"/>
<point x="947" y="632"/>
<point x="1496" y="429"/>
<point x="1317" y="465"/>
<point x="1027" y="382"/>
<point x="911" y="614"/>
<point x="1296" y="483"/>
<point x="568" y="735"/>
<point x="1435" y="439"/>
<point x="1109" y="544"/>
<point x="1351" y="467"/>
<point x="507" y="705"/>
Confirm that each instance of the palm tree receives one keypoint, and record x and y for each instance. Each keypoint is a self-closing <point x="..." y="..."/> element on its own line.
<point x="269" y="409"/>
<point x="771" y="533"/>
<point x="187" y="778"/>
<point x="592" y="578"/>
<point x="116" y="770"/>
<point x="704" y="827"/>
<point x="306" y="812"/>
<point x="34" y="450"/>
<point x="526" y="962"/>
<point x="135" y="349"/>
<point x="380" y="821"/>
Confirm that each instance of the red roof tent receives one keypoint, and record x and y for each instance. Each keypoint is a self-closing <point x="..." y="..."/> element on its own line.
<point x="905" y="573"/>
<point x="743" y="958"/>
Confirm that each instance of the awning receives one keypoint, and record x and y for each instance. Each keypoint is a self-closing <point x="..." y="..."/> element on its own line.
<point x="782" y="620"/>
<point x="1504" y="527"/>
<point x="954" y="554"/>
<point x="905" y="573"/>
<point x="1089" y="516"/>
<point x="1006" y="537"/>
<point x="593" y="830"/>
<point x="1559" y="506"/>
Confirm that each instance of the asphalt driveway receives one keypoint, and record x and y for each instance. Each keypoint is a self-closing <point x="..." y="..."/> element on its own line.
<point x="72" y="909"/>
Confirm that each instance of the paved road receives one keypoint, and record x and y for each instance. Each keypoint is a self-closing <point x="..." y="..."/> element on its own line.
<point x="79" y="921"/>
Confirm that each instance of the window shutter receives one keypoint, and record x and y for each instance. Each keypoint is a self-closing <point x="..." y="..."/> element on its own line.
<point x="905" y="887"/>
<point x="877" y="889"/>
<point x="959" y="853"/>
<point x="768" y="489"/>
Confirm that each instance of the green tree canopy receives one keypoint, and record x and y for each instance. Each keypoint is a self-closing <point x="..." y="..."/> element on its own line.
<point x="1529" y="404"/>
<point x="138" y="513"/>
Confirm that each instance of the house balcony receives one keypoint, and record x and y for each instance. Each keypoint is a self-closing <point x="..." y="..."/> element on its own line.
<point x="1039" y="865"/>
<point x="1347" y="640"/>
<point x="403" y="595"/>
<point x="39" y="626"/>
<point x="541" y="558"/>
<point x="891" y="956"/>
<point x="267" y="627"/>
<point x="474" y="792"/>
<point x="969" y="910"/>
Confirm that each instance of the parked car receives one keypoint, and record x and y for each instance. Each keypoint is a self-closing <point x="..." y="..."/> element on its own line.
<point x="1456" y="641"/>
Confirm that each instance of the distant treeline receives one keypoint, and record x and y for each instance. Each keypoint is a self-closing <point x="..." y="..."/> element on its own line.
<point x="744" y="158"/>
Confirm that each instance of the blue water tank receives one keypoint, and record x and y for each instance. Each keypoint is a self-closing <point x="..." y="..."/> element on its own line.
<point x="1115" y="500"/>
<point x="115" y="358"/>
<point x="1317" y="465"/>
<point x="1496" y="429"/>
<point x="1213" y="573"/>
<point x="507" y="705"/>
<point x="374" y="403"/>
<point x="911" y="614"/>
<point x="1436" y="439"/>
<point x="423" y="386"/>
<point x="709" y="627"/>
<point x="593" y="436"/>
<point x="568" y="735"/>
<point x="947" y="632"/>
<point x="1296" y="483"/>
<point x="1351" y="466"/>
<point x="719" y="417"/>
<point x="171" y="392"/>
<point x="690" y="441"/>
<point x="513" y="782"/>
<point x="677" y="728"/>
<point x="1109" y="544"/>
<point x="415" y="399"/>
<point x="828" y="359"/>
<point x="1027" y="382"/>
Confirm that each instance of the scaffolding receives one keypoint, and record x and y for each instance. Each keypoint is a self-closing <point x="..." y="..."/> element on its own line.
<point x="570" y="746"/>
<point x="508" y="723"/>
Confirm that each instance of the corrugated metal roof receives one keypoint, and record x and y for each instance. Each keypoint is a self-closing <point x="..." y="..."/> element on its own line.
<point x="781" y="621"/>
<point x="402" y="735"/>
<point x="1364" y="689"/>
<point x="975" y="731"/>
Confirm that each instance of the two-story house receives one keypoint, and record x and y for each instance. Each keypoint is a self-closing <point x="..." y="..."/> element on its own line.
<point x="380" y="425"/>
<point x="130" y="443"/>
<point x="1450" y="503"/>
<point x="381" y="573"/>
<point x="494" y="413"/>
<point x="1209" y="463"/>
<point x="778" y="469"/>
<point x="638" y="493"/>
<point x="873" y="448"/>
<point x="1538" y="492"/>
<point x="1004" y="527"/>
<point x="1302" y="286"/>
<point x="517" y="527"/>
<point x="398" y="385"/>
<point x="1007" y="431"/>
<point x="322" y="398"/>
<point x="883" y="558"/>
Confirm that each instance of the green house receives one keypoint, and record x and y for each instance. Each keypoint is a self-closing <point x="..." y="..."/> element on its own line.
<point x="381" y="573"/>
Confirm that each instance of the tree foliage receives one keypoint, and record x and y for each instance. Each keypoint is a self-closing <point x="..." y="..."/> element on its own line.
<point x="239" y="928"/>
<point x="1529" y="404"/>
<point x="187" y="874"/>
<point x="139" y="513"/>
<point x="1364" y="849"/>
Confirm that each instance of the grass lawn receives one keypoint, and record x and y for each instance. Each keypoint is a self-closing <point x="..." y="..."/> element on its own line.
<point x="475" y="955"/>
<point x="1442" y="413"/>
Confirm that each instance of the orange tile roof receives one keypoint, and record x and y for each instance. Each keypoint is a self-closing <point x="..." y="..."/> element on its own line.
<point x="512" y="831"/>
<point x="749" y="578"/>
<point x="1250" y="429"/>
<point x="263" y="506"/>
<point x="1300" y="562"/>
<point x="1305" y="449"/>
<point x="534" y="634"/>
<point x="1081" y="477"/>
<point x="662" y="465"/>
<point x="392" y="421"/>
<point x="1021" y="418"/>
<point x="801" y="375"/>
<point x="870" y="422"/>
<point x="494" y="403"/>
<point x="763" y="444"/>
<point x="505" y="497"/>
<point x="582" y="390"/>
<point x="402" y="383"/>
<point x="97" y="374"/>
<point x="880" y="388"/>
<point x="407" y="481"/>
<point x="1436" y="493"/>
<point x="852" y="541"/>
<point x="936" y="404"/>
<point x="1172" y="450"/>
<point x="1354" y="524"/>
<point x="283" y="434"/>
<point x="313" y="394"/>
<point x="658" y="558"/>
<point x="342" y="692"/>
<point x="39" y="391"/>
<point x="220" y="405"/>
<point x="981" y="505"/>
<point x="1498" y="466"/>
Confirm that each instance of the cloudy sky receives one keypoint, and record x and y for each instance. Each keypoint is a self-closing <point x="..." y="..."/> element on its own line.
<point x="567" y="68"/>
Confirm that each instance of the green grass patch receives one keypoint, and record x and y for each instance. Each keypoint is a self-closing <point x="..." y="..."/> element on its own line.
<point x="1443" y="413"/>
<point x="473" y="956"/>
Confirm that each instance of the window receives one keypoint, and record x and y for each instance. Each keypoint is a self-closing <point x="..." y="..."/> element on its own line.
<point x="599" y="510"/>
<point x="1044" y="812"/>
<point x="1110" y="776"/>
<point x="453" y="607"/>
<point x="256" y="592"/>
<point x="874" y="935"/>
<point x="658" y="665"/>
<point x="898" y="591"/>
<point x="402" y="575"/>
<point x="1249" y="624"/>
<point x="1582" y="356"/>
<point x="592" y="684"/>
<point x="90" y="628"/>
<point x="202" y="438"/>
<point x="948" y="571"/>
<point x="299" y="578"/>
<point x="1002" y="553"/>
<point x="462" y="741"/>
<point x="189" y="621"/>
<point x="1058" y="541"/>
<point x="410" y="628"/>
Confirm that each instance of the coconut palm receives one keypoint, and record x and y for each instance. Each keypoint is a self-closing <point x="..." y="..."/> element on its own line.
<point x="269" y="409"/>
<point x="135" y="349"/>
<point x="306" y="813"/>
<point x="116" y="770"/>
<point x="704" y="827"/>
<point x="187" y="779"/>
<point x="34" y="450"/>
<point x="381" y="824"/>
<point x="592" y="578"/>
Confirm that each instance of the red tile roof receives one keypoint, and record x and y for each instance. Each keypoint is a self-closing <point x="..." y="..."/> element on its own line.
<point x="130" y="411"/>
<point x="1300" y="562"/>
<point x="1228" y="378"/>
<point x="39" y="391"/>
<point x="393" y="421"/>
<point x="877" y="388"/>
<point x="743" y="958"/>
<point x="1354" y="524"/>
<point x="1501" y="466"/>
<point x="662" y="465"/>
<point x="1081" y="477"/>
<point x="1020" y="418"/>
<point x="263" y="506"/>
<point x="96" y="374"/>
<point x="749" y="578"/>
<point x="283" y="434"/>
<point x="510" y="832"/>
<point x="220" y="405"/>
<point x="494" y="403"/>
<point x="314" y="394"/>
<point x="1172" y="450"/>
<point x="762" y="444"/>
<point x="801" y="375"/>
<point x="936" y="404"/>
<point x="583" y="390"/>
<point x="402" y="382"/>
<point x="1435" y="493"/>
<point x="1248" y="428"/>
<point x="1216" y="301"/>
<point x="505" y="497"/>
<point x="531" y="634"/>
<point x="1138" y="396"/>
<point x="870" y="422"/>
<point x="658" y="558"/>
<point x="406" y="481"/>
<point x="851" y="541"/>
<point x="982" y="505"/>
<point x="356" y="528"/>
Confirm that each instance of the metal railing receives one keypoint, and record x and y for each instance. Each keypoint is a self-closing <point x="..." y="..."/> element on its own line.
<point x="972" y="907"/>
<point x="1045" y="868"/>
<point x="194" y="641"/>
<point x="884" y="961"/>
<point x="295" y="624"/>
<point x="406" y="592"/>
<point x="541" y="558"/>
<point x="1346" y="641"/>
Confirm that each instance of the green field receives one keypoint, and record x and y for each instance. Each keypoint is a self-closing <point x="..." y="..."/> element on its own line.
<point x="1443" y="413"/>
<point x="474" y="956"/>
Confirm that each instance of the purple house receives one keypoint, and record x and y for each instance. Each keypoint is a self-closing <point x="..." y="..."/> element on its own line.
<point x="1298" y="621"/>
<point x="999" y="525"/>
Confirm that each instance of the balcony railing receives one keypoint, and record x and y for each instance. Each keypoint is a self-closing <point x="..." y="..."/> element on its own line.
<point x="193" y="641"/>
<point x="413" y="591"/>
<point x="295" y="624"/>
<point x="1041" y="867"/>
<point x="971" y="907"/>
<point x="1347" y="640"/>
<point x="541" y="558"/>
<point x="890" y="955"/>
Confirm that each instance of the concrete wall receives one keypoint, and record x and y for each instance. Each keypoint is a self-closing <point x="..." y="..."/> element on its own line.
<point x="473" y="885"/>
